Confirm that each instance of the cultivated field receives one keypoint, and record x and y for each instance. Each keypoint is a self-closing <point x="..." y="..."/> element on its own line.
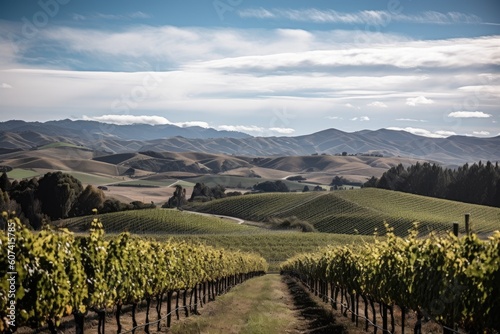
<point x="359" y="211"/>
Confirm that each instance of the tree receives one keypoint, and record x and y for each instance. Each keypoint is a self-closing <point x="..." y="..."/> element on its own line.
<point x="296" y="178"/>
<point x="113" y="205"/>
<point x="270" y="186"/>
<point x="338" y="181"/>
<point x="478" y="184"/>
<point x="57" y="192"/>
<point x="344" y="154"/>
<point x="372" y="182"/>
<point x="4" y="182"/>
<point x="23" y="193"/>
<point x="201" y="192"/>
<point x="178" y="199"/>
<point x="4" y="201"/>
<point x="90" y="198"/>
<point x="218" y="191"/>
<point x="305" y="189"/>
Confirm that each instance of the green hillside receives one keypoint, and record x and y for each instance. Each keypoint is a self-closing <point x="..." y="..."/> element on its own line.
<point x="160" y="221"/>
<point x="358" y="211"/>
<point x="341" y="213"/>
<point x="274" y="246"/>
<point x="164" y="224"/>
<point x="20" y="173"/>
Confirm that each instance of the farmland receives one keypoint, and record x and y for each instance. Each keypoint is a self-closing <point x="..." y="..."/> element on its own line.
<point x="230" y="181"/>
<point x="160" y="221"/>
<point x="166" y="224"/>
<point x="348" y="216"/>
<point x="358" y="211"/>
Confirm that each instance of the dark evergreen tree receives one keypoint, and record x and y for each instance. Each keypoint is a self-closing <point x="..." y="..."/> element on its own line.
<point x="58" y="191"/>
<point x="372" y="182"/>
<point x="4" y="201"/>
<point x="5" y="182"/>
<point x="23" y="193"/>
<point x="478" y="184"/>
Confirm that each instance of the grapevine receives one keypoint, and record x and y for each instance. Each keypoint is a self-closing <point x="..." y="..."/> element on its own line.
<point x="455" y="281"/>
<point x="58" y="275"/>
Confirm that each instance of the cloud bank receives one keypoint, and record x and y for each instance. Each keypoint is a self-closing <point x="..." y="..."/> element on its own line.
<point x="225" y="77"/>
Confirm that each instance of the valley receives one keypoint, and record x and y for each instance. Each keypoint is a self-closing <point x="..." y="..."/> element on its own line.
<point x="317" y="213"/>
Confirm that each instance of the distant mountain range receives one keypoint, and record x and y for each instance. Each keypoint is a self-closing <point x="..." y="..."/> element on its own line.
<point x="112" y="139"/>
<point x="92" y="130"/>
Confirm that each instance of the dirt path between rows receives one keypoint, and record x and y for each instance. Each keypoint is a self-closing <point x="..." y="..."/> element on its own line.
<point x="268" y="304"/>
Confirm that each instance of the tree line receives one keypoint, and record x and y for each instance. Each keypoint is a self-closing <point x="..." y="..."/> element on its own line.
<point x="56" y="195"/>
<point x="476" y="184"/>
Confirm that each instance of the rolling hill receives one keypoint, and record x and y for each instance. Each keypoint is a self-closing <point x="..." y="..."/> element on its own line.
<point x="358" y="211"/>
<point x="114" y="139"/>
<point x="159" y="166"/>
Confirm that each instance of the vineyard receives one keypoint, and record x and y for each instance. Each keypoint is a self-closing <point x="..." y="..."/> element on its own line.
<point x="275" y="247"/>
<point x="358" y="211"/>
<point x="52" y="274"/>
<point x="160" y="221"/>
<point x="166" y="224"/>
<point x="455" y="281"/>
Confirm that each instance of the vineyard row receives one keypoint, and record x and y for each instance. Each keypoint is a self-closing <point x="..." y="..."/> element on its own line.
<point x="52" y="274"/>
<point x="453" y="280"/>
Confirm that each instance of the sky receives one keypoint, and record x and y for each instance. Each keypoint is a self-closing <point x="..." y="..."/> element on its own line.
<point x="267" y="68"/>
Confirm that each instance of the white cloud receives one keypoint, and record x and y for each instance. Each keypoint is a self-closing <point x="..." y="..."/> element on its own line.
<point x="410" y="120"/>
<point x="284" y="131"/>
<point x="216" y="73"/>
<point x="242" y="128"/>
<point x="480" y="133"/>
<point x="361" y="119"/>
<point x="468" y="114"/>
<point x="445" y="133"/>
<point x="128" y="119"/>
<point x="414" y="101"/>
<point x="369" y="17"/>
<point x="5" y="85"/>
<point x="274" y="49"/>
<point x="377" y="104"/>
<point x="201" y="124"/>
<point x="433" y="58"/>
<point x="424" y="132"/>
<point x="143" y="119"/>
<point x="351" y="106"/>
<point x="253" y="129"/>
<point x="334" y="117"/>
